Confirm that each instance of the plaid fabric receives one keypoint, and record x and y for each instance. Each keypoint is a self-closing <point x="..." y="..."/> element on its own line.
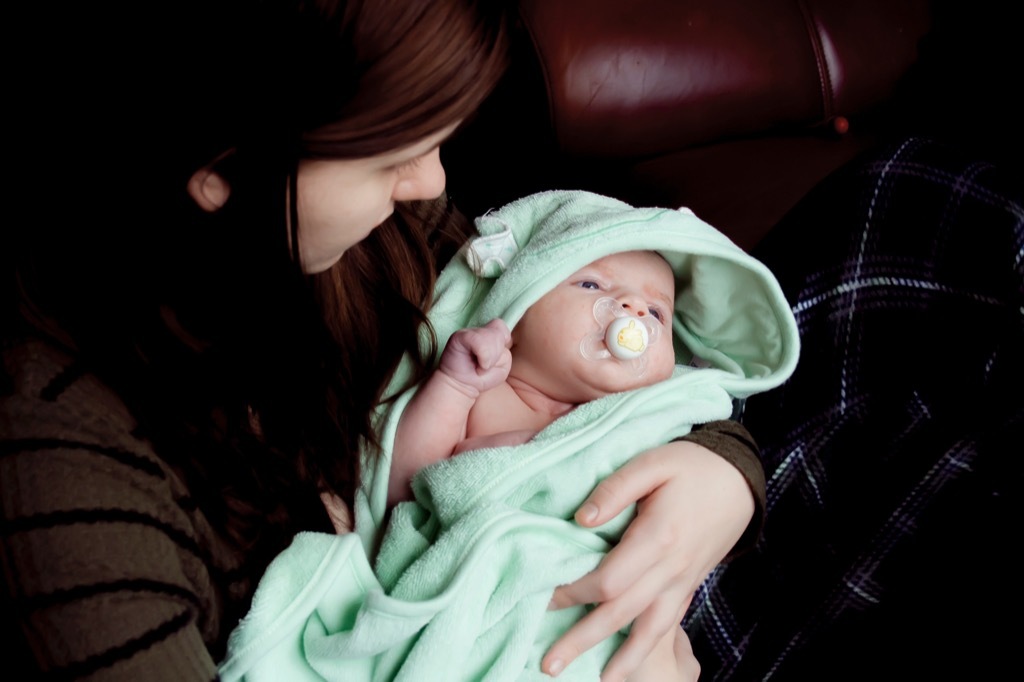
<point x="893" y="455"/>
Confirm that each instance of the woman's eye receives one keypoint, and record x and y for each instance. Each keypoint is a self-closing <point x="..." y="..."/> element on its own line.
<point x="587" y="284"/>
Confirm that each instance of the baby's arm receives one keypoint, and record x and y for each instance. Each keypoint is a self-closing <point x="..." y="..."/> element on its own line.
<point x="495" y="440"/>
<point x="474" y="360"/>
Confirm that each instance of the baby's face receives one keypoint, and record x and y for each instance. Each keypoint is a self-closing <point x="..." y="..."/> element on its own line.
<point x="546" y="341"/>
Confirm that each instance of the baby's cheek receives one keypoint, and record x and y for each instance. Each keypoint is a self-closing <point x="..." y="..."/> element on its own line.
<point x="665" y="365"/>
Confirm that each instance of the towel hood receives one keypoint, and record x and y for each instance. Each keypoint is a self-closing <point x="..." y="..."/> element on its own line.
<point x="730" y="312"/>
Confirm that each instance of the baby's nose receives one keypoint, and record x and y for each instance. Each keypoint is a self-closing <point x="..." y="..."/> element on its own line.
<point x="634" y="305"/>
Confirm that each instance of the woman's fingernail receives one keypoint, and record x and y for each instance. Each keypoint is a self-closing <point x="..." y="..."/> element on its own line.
<point x="555" y="667"/>
<point x="587" y="513"/>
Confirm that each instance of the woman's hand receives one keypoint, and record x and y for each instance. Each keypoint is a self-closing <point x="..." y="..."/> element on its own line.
<point x="339" y="513"/>
<point x="692" y="507"/>
<point x="672" y="660"/>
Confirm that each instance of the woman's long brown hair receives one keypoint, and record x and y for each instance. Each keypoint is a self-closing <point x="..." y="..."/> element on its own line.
<point x="252" y="379"/>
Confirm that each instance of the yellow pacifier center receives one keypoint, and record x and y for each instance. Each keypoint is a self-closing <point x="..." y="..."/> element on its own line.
<point x="626" y="338"/>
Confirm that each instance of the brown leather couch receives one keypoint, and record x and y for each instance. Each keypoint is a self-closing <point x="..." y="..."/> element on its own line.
<point x="735" y="108"/>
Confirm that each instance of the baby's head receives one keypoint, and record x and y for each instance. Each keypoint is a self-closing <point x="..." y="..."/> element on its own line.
<point x="546" y="342"/>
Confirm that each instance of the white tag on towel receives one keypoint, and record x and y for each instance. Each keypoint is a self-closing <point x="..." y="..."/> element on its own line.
<point x="488" y="256"/>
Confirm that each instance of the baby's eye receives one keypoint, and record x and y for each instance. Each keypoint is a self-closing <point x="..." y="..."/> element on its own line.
<point x="588" y="284"/>
<point x="658" y="315"/>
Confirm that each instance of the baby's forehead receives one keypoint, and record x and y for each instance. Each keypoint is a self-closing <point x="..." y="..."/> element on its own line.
<point x="633" y="264"/>
<point x="621" y="257"/>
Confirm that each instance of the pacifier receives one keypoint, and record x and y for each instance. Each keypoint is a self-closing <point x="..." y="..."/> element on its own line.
<point x="620" y="335"/>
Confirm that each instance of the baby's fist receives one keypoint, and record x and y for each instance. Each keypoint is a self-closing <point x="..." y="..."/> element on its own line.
<point x="479" y="357"/>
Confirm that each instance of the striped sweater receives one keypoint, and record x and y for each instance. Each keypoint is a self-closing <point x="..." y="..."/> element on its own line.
<point x="110" y="570"/>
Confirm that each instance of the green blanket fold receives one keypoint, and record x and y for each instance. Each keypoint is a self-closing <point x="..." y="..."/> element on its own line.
<point x="463" y="574"/>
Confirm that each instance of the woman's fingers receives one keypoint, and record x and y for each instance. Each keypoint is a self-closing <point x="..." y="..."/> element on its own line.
<point x="608" y="581"/>
<point x="648" y="629"/>
<point x="337" y="510"/>
<point x="643" y="603"/>
<point x="633" y="481"/>
<point x="633" y="558"/>
<point x="686" y="661"/>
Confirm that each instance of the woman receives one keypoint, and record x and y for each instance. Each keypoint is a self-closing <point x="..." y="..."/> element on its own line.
<point x="225" y="261"/>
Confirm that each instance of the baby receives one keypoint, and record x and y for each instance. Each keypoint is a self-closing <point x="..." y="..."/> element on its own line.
<point x="600" y="331"/>
<point x="497" y="388"/>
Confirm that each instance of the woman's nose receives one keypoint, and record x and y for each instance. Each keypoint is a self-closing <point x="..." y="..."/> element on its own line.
<point x="422" y="180"/>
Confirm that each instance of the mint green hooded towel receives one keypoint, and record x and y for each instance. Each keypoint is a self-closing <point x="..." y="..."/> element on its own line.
<point x="455" y="584"/>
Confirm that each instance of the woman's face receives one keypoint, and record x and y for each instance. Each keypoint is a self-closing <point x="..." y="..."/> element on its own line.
<point x="340" y="201"/>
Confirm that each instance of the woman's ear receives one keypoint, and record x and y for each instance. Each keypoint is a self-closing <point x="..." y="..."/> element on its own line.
<point x="209" y="189"/>
<point x="207" y="186"/>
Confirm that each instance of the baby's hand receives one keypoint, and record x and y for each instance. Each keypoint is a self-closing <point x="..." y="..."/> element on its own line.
<point x="478" y="358"/>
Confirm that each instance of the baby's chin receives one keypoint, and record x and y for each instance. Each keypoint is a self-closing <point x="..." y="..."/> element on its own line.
<point x="607" y="377"/>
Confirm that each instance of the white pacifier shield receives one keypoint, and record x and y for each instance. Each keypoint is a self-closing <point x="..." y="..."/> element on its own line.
<point x="626" y="338"/>
<point x="619" y="335"/>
